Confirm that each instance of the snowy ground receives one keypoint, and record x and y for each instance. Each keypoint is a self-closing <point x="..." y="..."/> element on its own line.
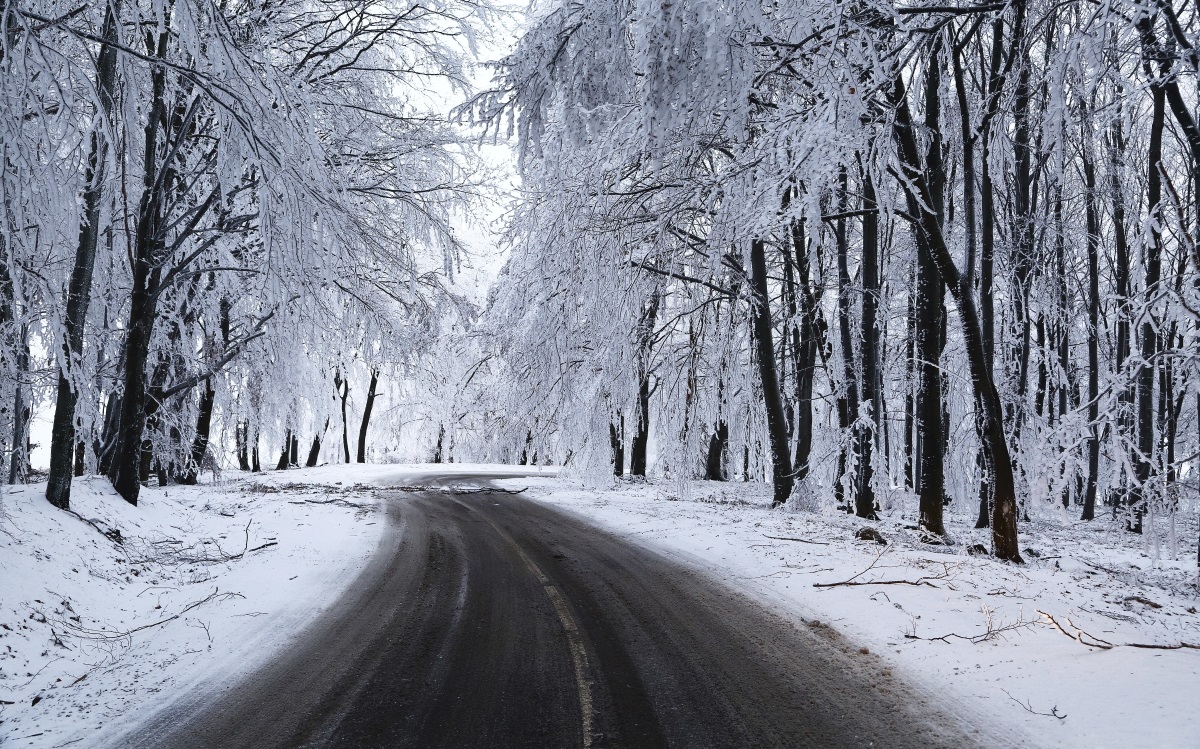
<point x="206" y="582"/>
<point x="209" y="581"/>
<point x="1026" y="673"/>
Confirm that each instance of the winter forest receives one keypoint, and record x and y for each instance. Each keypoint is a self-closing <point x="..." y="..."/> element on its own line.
<point x="881" y="256"/>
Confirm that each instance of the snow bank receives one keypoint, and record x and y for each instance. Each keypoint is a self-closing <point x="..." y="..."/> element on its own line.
<point x="200" y="586"/>
<point x="1001" y="666"/>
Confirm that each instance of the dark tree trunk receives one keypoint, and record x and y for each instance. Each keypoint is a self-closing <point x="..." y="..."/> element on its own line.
<point x="203" y="429"/>
<point x="128" y="463"/>
<point x="1143" y="457"/>
<point x="314" y="452"/>
<point x="869" y="434"/>
<point x="616" y="441"/>
<point x="806" y="337"/>
<point x="79" y="289"/>
<point x="764" y="339"/>
<point x="366" y="419"/>
<point x="987" y="243"/>
<point x="931" y="319"/>
<point x="286" y="453"/>
<point x="987" y="399"/>
<point x="641" y="431"/>
<point x="343" y="391"/>
<point x="241" y="435"/>
<point x="863" y="506"/>
<point x="437" y="449"/>
<point x="1093" y="391"/>
<point x="718" y="446"/>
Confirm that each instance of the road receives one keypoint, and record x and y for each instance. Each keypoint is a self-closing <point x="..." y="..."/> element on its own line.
<point x="490" y="620"/>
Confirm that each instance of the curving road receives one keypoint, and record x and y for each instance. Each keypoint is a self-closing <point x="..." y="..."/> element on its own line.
<point x="489" y="620"/>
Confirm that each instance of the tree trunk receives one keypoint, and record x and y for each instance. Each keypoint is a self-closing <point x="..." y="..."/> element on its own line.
<point x="718" y="446"/>
<point x="149" y="247"/>
<point x="79" y="289"/>
<point x="242" y="438"/>
<point x="1093" y="392"/>
<point x="764" y="338"/>
<point x="869" y="433"/>
<point x="366" y="419"/>
<point x="806" y="338"/>
<point x="18" y="471"/>
<point x="641" y="432"/>
<point x="343" y="391"/>
<point x="850" y="372"/>
<point x="314" y="452"/>
<point x="931" y="318"/>
<point x="1143" y="457"/>
<point x="286" y="453"/>
<point x="203" y="428"/>
<point x="616" y="441"/>
<point x="987" y="399"/>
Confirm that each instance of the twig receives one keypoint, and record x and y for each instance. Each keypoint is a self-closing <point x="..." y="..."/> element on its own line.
<point x="1080" y="636"/>
<point x="801" y="540"/>
<point x="1083" y="638"/>
<point x="991" y="631"/>
<point x="1052" y="714"/>
<point x="853" y="581"/>
<point x="104" y="635"/>
<point x="112" y="534"/>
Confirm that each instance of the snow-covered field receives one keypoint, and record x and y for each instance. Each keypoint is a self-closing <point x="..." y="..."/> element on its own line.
<point x="1000" y="662"/>
<point x="209" y="581"/>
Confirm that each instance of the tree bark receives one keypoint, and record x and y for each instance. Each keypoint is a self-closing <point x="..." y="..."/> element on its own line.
<point x="314" y="452"/>
<point x="79" y="288"/>
<point x="641" y="431"/>
<point x="286" y="453"/>
<point x="931" y="317"/>
<point x="764" y="338"/>
<point x="343" y="390"/>
<point x="1093" y="392"/>
<point x="203" y="428"/>
<point x="616" y="441"/>
<point x="987" y="400"/>
<point x="869" y="433"/>
<point x="366" y="419"/>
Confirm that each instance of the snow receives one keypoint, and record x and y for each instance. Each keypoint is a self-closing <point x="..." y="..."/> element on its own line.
<point x="1092" y="574"/>
<point x="67" y="592"/>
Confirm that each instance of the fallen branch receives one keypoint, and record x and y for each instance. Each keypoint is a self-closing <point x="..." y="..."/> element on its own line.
<point x="853" y="581"/>
<point x="112" y="534"/>
<point x="333" y="501"/>
<point x="485" y="490"/>
<point x="801" y="540"/>
<point x="991" y="631"/>
<point x="1028" y="707"/>
<point x="1084" y="638"/>
<point x="104" y="635"/>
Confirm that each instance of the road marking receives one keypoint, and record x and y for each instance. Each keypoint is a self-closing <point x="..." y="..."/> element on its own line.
<point x="574" y="636"/>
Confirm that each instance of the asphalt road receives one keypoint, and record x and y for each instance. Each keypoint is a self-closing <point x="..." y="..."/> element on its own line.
<point x="490" y="620"/>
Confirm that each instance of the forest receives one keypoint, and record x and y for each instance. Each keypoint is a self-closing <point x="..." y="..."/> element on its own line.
<point x="864" y="252"/>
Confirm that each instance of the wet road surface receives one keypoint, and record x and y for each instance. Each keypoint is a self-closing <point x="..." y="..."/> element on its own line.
<point x="490" y="620"/>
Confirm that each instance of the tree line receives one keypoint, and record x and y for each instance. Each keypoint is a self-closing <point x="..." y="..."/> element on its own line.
<point x="216" y="215"/>
<point x="861" y="249"/>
